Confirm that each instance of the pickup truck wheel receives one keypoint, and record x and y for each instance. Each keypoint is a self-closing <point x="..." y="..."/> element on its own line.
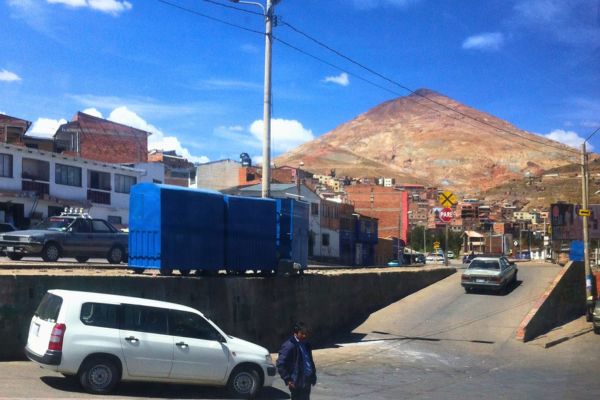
<point x="244" y="383"/>
<point x="99" y="375"/>
<point x="82" y="259"/>
<point x="115" y="255"/>
<point x="51" y="252"/>
<point x="14" y="256"/>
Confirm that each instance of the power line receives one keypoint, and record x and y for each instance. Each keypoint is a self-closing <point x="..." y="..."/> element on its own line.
<point x="197" y="13"/>
<point x="233" y="7"/>
<point x="189" y="10"/>
<point x="598" y="129"/>
<point x="338" y="53"/>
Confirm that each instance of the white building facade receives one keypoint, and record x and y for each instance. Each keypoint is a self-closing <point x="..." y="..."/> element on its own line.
<point x="35" y="184"/>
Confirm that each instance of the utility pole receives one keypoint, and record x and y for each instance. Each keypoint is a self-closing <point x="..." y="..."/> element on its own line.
<point x="266" y="173"/>
<point x="266" y="168"/>
<point x="589" y="300"/>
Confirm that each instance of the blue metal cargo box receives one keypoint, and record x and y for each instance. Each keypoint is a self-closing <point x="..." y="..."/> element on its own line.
<point x="251" y="234"/>
<point x="293" y="230"/>
<point x="172" y="227"/>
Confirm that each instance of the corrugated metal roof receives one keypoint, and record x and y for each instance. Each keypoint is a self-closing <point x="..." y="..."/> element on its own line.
<point x="275" y="187"/>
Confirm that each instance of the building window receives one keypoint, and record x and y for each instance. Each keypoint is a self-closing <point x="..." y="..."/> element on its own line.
<point x="67" y="175"/>
<point x="314" y="208"/>
<point x="6" y="165"/>
<point x="53" y="210"/>
<point x="325" y="239"/>
<point x="99" y="180"/>
<point x="123" y="183"/>
<point x="36" y="170"/>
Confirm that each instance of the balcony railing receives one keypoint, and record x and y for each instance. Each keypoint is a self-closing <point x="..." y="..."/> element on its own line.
<point x="40" y="188"/>
<point x="98" y="196"/>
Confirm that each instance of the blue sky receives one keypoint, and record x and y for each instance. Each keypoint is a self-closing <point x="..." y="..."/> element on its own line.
<point x="197" y="83"/>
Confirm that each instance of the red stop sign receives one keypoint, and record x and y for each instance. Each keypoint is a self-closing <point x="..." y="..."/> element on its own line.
<point x="446" y="214"/>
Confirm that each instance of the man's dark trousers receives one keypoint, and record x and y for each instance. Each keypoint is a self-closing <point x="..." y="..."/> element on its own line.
<point x="300" y="393"/>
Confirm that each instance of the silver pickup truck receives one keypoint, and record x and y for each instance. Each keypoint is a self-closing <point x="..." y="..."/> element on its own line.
<point x="67" y="235"/>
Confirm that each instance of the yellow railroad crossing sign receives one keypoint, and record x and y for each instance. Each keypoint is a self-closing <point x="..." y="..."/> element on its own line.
<point x="448" y="199"/>
<point x="584" y="213"/>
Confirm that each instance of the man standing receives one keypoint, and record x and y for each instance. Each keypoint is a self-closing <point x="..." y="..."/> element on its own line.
<point x="295" y="363"/>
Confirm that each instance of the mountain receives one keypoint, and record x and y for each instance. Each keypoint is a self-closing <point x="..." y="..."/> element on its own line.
<point x="417" y="139"/>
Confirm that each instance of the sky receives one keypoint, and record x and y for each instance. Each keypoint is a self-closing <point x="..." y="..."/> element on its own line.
<point x="191" y="71"/>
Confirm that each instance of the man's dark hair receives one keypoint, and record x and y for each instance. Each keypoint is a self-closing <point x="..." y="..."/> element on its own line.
<point x="299" y="326"/>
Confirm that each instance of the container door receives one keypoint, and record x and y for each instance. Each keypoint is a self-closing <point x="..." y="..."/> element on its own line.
<point x="147" y="347"/>
<point x="199" y="351"/>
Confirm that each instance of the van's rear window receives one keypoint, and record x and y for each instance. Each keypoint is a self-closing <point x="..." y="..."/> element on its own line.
<point x="49" y="307"/>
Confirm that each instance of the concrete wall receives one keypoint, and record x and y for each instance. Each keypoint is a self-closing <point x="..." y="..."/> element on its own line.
<point x="257" y="309"/>
<point x="562" y="302"/>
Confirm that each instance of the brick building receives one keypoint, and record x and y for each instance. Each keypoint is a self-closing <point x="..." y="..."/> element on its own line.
<point x="178" y="170"/>
<point x="388" y="205"/>
<point x="12" y="130"/>
<point x="101" y="140"/>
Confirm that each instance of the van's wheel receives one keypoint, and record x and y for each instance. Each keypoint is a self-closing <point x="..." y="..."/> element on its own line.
<point x="14" y="256"/>
<point x="99" y="375"/>
<point x="82" y="259"/>
<point x="244" y="383"/>
<point x="51" y="252"/>
<point x="115" y="255"/>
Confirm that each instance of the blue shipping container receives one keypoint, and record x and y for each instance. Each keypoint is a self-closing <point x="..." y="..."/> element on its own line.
<point x="292" y="231"/>
<point x="171" y="227"/>
<point x="251" y="227"/>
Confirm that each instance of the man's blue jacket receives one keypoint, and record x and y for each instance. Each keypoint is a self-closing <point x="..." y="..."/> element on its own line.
<point x="289" y="364"/>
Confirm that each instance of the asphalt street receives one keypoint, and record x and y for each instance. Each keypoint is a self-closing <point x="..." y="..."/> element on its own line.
<point x="439" y="343"/>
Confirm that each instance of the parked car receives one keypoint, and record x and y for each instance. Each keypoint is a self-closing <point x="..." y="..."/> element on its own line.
<point x="435" y="258"/>
<point x="494" y="273"/>
<point x="71" y="234"/>
<point x="596" y="318"/>
<point x="102" y="339"/>
<point x="6" y="227"/>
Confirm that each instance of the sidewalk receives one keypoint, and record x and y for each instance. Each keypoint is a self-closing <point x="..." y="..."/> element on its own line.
<point x="563" y="333"/>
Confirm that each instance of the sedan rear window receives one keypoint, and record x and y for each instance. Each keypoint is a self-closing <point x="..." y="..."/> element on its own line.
<point x="49" y="308"/>
<point x="484" y="264"/>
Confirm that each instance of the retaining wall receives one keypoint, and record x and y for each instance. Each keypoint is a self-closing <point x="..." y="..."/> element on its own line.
<point x="563" y="301"/>
<point x="261" y="310"/>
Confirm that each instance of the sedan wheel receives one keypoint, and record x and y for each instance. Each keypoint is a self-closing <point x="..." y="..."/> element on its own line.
<point x="82" y="259"/>
<point x="51" y="252"/>
<point x="14" y="256"/>
<point x="115" y="255"/>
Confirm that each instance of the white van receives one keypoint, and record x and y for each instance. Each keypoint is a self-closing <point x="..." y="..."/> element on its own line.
<point x="102" y="339"/>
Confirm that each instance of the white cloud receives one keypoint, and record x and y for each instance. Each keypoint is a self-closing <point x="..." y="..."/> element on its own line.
<point x="229" y="84"/>
<point x="342" y="79"/>
<point x="113" y="7"/>
<point x="93" y="112"/>
<point x="45" y="127"/>
<point x="158" y="139"/>
<point x="370" y="4"/>
<point x="484" y="41"/>
<point x="8" y="76"/>
<point x="574" y="22"/>
<point x="570" y="138"/>
<point x="285" y="134"/>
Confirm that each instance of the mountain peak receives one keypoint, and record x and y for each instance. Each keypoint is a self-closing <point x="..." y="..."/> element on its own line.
<point x="417" y="140"/>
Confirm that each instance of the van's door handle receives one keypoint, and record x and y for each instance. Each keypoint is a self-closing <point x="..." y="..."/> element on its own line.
<point x="132" y="339"/>
<point x="181" y="344"/>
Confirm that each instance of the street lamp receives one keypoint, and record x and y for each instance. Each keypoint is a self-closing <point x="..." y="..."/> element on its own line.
<point x="268" y="14"/>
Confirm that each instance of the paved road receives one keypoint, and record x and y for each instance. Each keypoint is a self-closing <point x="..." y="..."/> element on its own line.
<point x="439" y="343"/>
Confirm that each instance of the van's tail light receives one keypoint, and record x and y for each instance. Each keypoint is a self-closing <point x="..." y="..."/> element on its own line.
<point x="56" y="337"/>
